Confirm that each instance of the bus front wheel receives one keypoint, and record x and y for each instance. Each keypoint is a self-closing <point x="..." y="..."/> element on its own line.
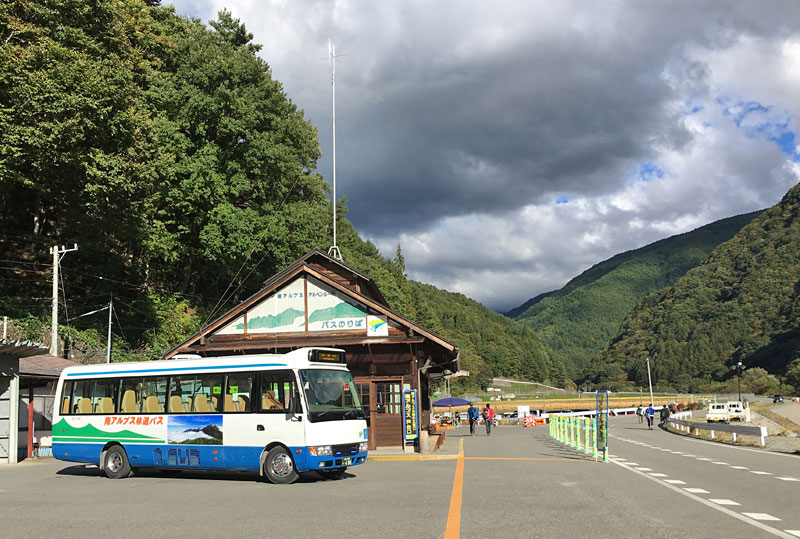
<point x="115" y="464"/>
<point x="279" y="467"/>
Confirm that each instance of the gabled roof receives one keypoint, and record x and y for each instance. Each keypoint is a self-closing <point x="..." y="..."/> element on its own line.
<point x="325" y="269"/>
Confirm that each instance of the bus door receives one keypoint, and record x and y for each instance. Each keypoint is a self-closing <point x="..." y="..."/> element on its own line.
<point x="280" y="415"/>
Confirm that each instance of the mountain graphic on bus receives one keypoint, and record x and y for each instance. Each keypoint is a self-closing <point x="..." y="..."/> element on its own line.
<point x="284" y="319"/>
<point x="195" y="430"/>
<point x="342" y="310"/>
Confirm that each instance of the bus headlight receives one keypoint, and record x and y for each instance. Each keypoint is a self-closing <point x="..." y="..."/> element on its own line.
<point x="362" y="447"/>
<point x="320" y="451"/>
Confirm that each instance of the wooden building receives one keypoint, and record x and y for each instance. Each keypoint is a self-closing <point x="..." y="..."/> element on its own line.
<point x="320" y="301"/>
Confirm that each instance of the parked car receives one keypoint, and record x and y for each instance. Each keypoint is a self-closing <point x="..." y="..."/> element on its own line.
<point x="717" y="413"/>
<point x="777" y="398"/>
<point x="736" y="411"/>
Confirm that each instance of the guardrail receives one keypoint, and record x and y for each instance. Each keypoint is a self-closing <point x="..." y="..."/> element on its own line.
<point x="689" y="426"/>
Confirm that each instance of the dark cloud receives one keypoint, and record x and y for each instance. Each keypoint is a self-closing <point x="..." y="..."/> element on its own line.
<point x="459" y="124"/>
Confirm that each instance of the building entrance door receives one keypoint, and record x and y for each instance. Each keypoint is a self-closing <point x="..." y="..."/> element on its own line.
<point x="383" y="404"/>
<point x="388" y="415"/>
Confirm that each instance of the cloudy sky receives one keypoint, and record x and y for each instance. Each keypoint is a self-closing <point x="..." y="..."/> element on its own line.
<point x="509" y="146"/>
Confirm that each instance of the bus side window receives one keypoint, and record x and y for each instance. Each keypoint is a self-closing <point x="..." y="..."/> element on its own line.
<point x="82" y="397"/>
<point x="104" y="396"/>
<point x="65" y="398"/>
<point x="131" y="391"/>
<point x="237" y="396"/>
<point x="277" y="391"/>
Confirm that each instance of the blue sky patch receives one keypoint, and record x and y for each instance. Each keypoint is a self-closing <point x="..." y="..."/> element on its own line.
<point x="762" y="121"/>
<point x="562" y="199"/>
<point x="649" y="172"/>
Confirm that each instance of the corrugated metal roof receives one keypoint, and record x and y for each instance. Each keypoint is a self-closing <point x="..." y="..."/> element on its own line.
<point x="44" y="365"/>
<point x="21" y="348"/>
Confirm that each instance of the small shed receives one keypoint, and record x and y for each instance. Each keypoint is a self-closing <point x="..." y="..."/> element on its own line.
<point x="320" y="301"/>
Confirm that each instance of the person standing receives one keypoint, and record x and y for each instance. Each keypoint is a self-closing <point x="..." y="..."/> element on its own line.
<point x="472" y="415"/>
<point x="640" y="414"/>
<point x="488" y="417"/>
<point x="650" y="416"/>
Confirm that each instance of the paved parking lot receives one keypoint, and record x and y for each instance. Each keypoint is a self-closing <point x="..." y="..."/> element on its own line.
<point x="516" y="483"/>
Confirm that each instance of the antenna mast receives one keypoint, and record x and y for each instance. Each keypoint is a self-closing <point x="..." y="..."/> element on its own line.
<point x="334" y="249"/>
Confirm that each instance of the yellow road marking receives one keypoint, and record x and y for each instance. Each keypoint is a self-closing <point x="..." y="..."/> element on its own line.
<point x="454" y="515"/>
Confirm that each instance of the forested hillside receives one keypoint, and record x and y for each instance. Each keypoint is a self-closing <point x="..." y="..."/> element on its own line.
<point x="742" y="304"/>
<point x="578" y="320"/>
<point x="186" y="175"/>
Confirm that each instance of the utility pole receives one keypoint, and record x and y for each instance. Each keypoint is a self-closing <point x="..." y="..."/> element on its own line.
<point x="56" y="252"/>
<point x="649" y="381"/>
<point x="108" y="346"/>
<point x="739" y="376"/>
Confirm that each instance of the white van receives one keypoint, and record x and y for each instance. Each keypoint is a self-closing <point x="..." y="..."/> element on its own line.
<point x="717" y="413"/>
<point x="737" y="411"/>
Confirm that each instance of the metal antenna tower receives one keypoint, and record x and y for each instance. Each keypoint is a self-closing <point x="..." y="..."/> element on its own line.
<point x="334" y="249"/>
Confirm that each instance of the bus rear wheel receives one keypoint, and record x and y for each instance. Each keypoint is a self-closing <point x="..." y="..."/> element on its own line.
<point x="279" y="467"/>
<point x="335" y="473"/>
<point x="115" y="464"/>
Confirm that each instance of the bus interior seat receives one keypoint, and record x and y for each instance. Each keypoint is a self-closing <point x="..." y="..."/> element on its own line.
<point x="85" y="406"/>
<point x="269" y="402"/>
<point x="187" y="405"/>
<point x="176" y="404"/>
<point x="201" y="404"/>
<point x="105" y="406"/>
<point x="129" y="404"/>
<point x="65" y="406"/>
<point x="244" y="403"/>
<point x="152" y="405"/>
<point x="229" y="406"/>
<point x="215" y="404"/>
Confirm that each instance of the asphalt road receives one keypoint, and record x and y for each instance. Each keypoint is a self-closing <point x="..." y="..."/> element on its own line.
<point x="516" y="483"/>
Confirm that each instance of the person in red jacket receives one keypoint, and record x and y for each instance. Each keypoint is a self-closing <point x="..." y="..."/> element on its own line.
<point x="488" y="417"/>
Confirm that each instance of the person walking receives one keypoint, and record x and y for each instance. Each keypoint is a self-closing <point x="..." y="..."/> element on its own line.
<point x="650" y="416"/>
<point x="640" y="413"/>
<point x="488" y="417"/>
<point x="664" y="416"/>
<point x="472" y="415"/>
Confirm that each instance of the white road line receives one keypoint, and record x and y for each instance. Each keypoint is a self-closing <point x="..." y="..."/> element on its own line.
<point x="723" y="501"/>
<point x="674" y="481"/>
<point x="760" y="516"/>
<point x="760" y="473"/>
<point x="796" y="533"/>
<point x="688" y="455"/>
<point x="677" y="452"/>
<point x="632" y="463"/>
<point x="718" y="462"/>
<point x="740" y="467"/>
<point x="781" y="478"/>
<point x="697" y="490"/>
<point x="734" y="514"/>
<point x="658" y="474"/>
<point x="703" y="459"/>
<point x="645" y="469"/>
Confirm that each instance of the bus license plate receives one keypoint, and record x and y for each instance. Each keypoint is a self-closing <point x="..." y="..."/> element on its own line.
<point x="347" y="461"/>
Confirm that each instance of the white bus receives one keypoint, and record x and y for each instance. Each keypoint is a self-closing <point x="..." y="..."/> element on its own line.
<point x="279" y="415"/>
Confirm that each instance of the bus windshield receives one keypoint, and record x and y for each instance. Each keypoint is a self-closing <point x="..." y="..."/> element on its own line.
<point x="330" y="395"/>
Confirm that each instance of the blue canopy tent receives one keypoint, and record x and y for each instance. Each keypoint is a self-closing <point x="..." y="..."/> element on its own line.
<point x="449" y="402"/>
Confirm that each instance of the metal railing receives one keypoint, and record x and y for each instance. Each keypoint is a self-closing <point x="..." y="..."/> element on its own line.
<point x="689" y="427"/>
